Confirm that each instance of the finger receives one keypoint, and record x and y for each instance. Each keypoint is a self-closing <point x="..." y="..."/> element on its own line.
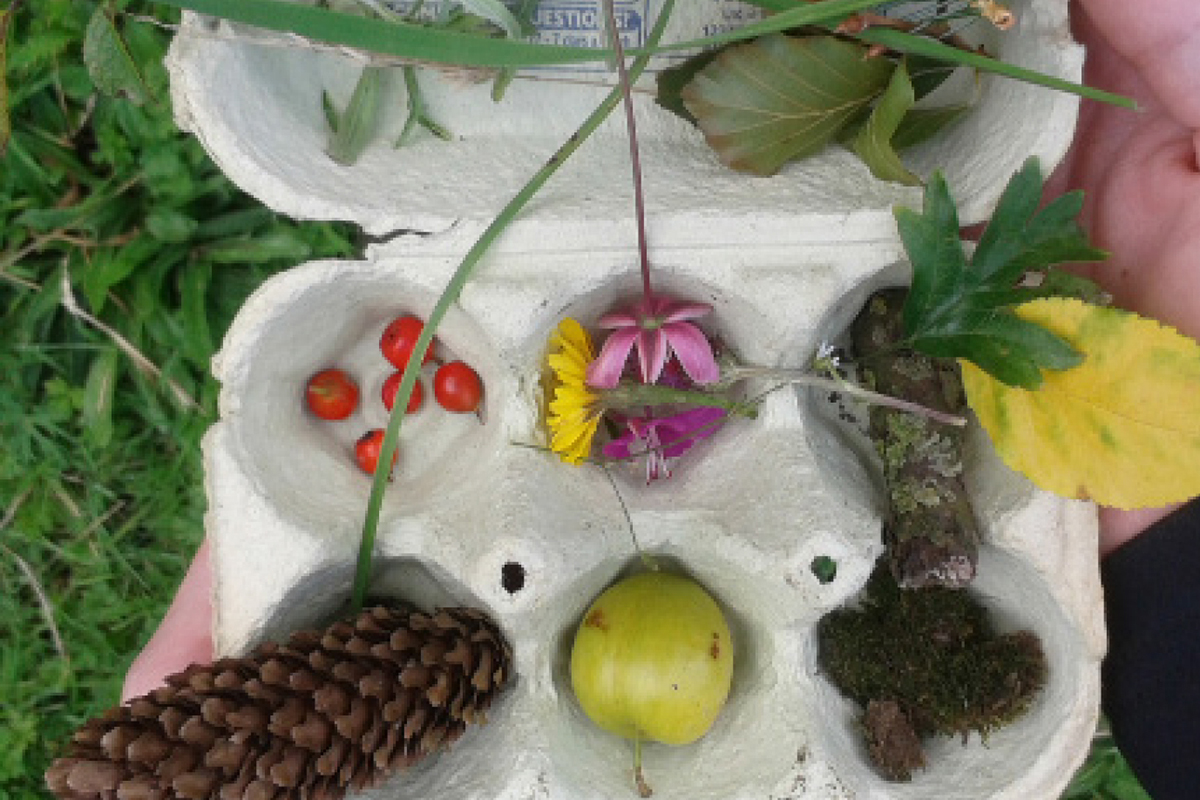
<point x="1118" y="525"/>
<point x="1102" y="129"/>
<point x="1161" y="38"/>
<point x="185" y="635"/>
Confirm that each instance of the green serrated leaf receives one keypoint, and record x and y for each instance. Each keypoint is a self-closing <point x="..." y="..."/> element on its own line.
<point x="1060" y="283"/>
<point x="962" y="308"/>
<point x="356" y="125"/>
<point x="1019" y="238"/>
<point x="112" y="68"/>
<point x="98" y="396"/>
<point x="936" y="253"/>
<point x="765" y="103"/>
<point x="873" y="143"/>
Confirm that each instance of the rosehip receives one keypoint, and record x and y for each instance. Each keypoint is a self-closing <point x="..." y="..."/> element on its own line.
<point x="368" y="448"/>
<point x="389" y="394"/>
<point x="457" y="387"/>
<point x="331" y="394"/>
<point x="399" y="338"/>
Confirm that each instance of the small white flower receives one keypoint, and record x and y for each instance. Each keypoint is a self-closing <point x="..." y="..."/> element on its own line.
<point x="826" y="360"/>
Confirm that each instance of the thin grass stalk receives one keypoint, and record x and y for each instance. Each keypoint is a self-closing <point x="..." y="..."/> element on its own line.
<point x="451" y="294"/>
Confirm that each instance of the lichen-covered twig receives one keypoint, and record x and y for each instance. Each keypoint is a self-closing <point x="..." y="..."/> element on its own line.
<point x="931" y="534"/>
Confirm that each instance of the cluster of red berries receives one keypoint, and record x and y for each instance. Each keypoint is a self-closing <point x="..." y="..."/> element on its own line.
<point x="333" y="395"/>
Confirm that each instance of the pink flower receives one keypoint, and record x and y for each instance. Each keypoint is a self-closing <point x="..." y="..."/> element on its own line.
<point x="663" y="439"/>
<point x="658" y="326"/>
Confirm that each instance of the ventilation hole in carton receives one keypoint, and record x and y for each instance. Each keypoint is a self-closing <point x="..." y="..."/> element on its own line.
<point x="512" y="577"/>
<point x="824" y="569"/>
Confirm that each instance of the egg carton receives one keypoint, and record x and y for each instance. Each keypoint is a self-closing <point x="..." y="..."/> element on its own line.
<point x="480" y="514"/>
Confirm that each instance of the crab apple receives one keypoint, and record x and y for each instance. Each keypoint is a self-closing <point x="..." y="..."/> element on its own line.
<point x="653" y="659"/>
<point x="331" y="394"/>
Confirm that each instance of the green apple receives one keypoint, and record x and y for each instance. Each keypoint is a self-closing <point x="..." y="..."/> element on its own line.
<point x="653" y="659"/>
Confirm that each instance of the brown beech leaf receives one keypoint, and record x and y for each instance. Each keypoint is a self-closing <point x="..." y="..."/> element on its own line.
<point x="1122" y="428"/>
<point x="780" y="97"/>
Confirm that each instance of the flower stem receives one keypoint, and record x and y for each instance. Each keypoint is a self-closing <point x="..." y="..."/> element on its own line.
<point x="635" y="158"/>
<point x="643" y="788"/>
<point x="647" y="561"/>
<point x="800" y="377"/>
<point x="636" y="395"/>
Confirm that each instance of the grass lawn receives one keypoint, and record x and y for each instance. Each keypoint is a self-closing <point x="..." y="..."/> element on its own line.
<point x="101" y="493"/>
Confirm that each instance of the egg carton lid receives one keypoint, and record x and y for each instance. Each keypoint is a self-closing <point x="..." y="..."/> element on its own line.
<point x="255" y="102"/>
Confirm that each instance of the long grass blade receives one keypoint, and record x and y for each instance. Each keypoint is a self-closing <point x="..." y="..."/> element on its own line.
<point x="454" y="288"/>
<point x="924" y="46"/>
<point x="401" y="39"/>
<point x="422" y="43"/>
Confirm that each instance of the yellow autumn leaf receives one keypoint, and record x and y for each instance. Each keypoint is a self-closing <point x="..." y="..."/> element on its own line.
<point x="1122" y="428"/>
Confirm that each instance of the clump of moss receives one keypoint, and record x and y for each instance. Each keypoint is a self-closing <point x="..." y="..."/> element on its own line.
<point x="936" y="656"/>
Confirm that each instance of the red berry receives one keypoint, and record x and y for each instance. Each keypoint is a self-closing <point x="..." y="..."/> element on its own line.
<point x="389" y="393"/>
<point x="457" y="387"/>
<point x="399" y="338"/>
<point x="331" y="394"/>
<point x="368" y="448"/>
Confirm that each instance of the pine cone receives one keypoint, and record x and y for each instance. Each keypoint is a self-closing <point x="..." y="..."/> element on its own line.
<point x="324" y="714"/>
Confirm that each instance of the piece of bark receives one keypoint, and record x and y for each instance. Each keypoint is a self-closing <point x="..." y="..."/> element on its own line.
<point x="892" y="740"/>
<point x="930" y="532"/>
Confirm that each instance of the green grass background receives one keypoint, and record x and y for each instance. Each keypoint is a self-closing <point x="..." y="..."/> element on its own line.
<point x="101" y="487"/>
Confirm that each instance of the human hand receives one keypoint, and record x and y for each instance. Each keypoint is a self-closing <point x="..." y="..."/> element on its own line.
<point x="1140" y="174"/>
<point x="185" y="635"/>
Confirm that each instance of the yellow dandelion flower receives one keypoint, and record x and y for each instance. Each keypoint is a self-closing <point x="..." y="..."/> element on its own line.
<point x="575" y="411"/>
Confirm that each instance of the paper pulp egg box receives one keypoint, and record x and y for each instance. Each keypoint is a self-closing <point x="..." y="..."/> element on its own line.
<point x="478" y="516"/>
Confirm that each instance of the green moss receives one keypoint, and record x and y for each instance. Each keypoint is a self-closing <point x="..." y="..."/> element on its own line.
<point x="935" y="653"/>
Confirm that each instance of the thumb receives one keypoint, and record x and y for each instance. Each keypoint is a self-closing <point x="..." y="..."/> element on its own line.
<point x="1161" y="39"/>
<point x="185" y="635"/>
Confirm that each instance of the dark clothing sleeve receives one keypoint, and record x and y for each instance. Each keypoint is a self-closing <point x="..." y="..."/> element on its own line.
<point x="1152" y="671"/>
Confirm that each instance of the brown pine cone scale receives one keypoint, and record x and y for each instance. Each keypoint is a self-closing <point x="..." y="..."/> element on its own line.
<point x="326" y="713"/>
